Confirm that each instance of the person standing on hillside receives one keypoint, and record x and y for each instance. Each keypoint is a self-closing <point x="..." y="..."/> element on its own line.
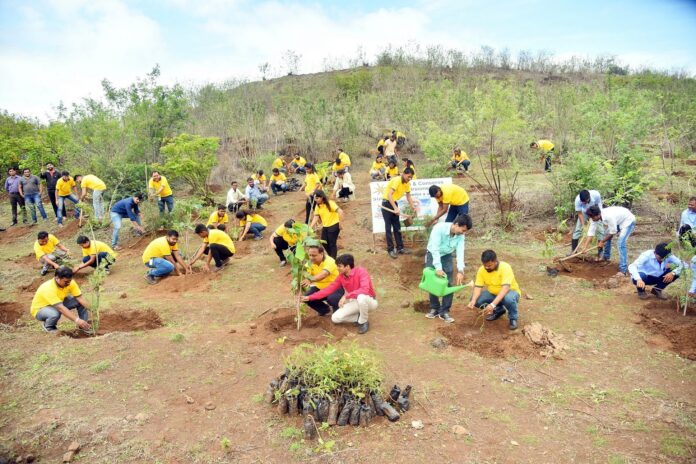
<point x="65" y="189"/>
<point x="217" y="245"/>
<point x="322" y="272"/>
<point x="235" y="198"/>
<point x="658" y="268"/>
<point x="583" y="201"/>
<point x="359" y="296"/>
<point x="451" y="199"/>
<point x="330" y="215"/>
<point x="378" y="170"/>
<point x="55" y="298"/>
<point x="162" y="257"/>
<point x="390" y="148"/>
<point x="396" y="188"/>
<point x="284" y="238"/>
<point x="298" y="164"/>
<point x="90" y="181"/>
<point x="49" y="251"/>
<point x="616" y="220"/>
<point x="279" y="183"/>
<point x="312" y="184"/>
<point x="159" y="186"/>
<point x="546" y="147"/>
<point x="94" y="253"/>
<point x="343" y="187"/>
<point x="253" y="194"/>
<point x="51" y="177"/>
<point x="126" y="208"/>
<point x="446" y="239"/>
<point x="218" y="219"/>
<point x="460" y="160"/>
<point x="251" y="222"/>
<point x="30" y="189"/>
<point x="12" y="188"/>
<point x="688" y="217"/>
<point x="501" y="293"/>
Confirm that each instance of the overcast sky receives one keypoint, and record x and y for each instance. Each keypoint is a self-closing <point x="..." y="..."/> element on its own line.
<point x="60" y="50"/>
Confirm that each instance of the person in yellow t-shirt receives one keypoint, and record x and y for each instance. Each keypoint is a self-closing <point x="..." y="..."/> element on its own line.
<point x="298" y="164"/>
<point x="330" y="215"/>
<point x="218" y="219"/>
<point x="392" y="169"/>
<point x="251" y="223"/>
<point x="400" y="138"/>
<point x="162" y="257"/>
<point x="311" y="184"/>
<point x="284" y="238"/>
<point x="94" y="253"/>
<point x="49" y="251"/>
<point x="451" y="199"/>
<point x="409" y="164"/>
<point x="460" y="160"/>
<point x="65" y="190"/>
<point x="378" y="171"/>
<point x="502" y="293"/>
<point x="396" y="188"/>
<point x="260" y="180"/>
<point x="55" y="298"/>
<point x="380" y="144"/>
<point x="546" y="147"/>
<point x="160" y="186"/>
<point x="90" y="181"/>
<point x="279" y="164"/>
<point x="279" y="183"/>
<point x="217" y="245"/>
<point x="322" y="271"/>
<point x="342" y="161"/>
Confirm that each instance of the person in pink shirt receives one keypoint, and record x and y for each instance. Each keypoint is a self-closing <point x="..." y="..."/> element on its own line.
<point x="359" y="297"/>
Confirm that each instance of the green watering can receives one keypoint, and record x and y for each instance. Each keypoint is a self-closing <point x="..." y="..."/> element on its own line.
<point x="438" y="286"/>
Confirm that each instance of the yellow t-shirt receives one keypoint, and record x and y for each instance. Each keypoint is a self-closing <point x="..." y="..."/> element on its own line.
<point x="91" y="181"/>
<point x="254" y="218"/>
<point x="49" y="294"/>
<point x="393" y="172"/>
<point x="299" y="161"/>
<point x="158" y="248"/>
<point x="312" y="181"/>
<point x="260" y="179"/>
<point x="454" y="195"/>
<point x="345" y="159"/>
<point x="214" y="218"/>
<point x="328" y="218"/>
<point x="400" y="134"/>
<point x="462" y="156"/>
<point x="327" y="265"/>
<point x="290" y="238"/>
<point x="494" y="281"/>
<point x="64" y="188"/>
<point x="96" y="247"/>
<point x="399" y="188"/>
<point x="414" y="173"/>
<point x="545" y="145"/>
<point x="337" y="167"/>
<point x="166" y="190"/>
<point x="278" y="163"/>
<point x="380" y="143"/>
<point x="377" y="166"/>
<point x="221" y="238"/>
<point x="279" y="179"/>
<point x="46" y="249"/>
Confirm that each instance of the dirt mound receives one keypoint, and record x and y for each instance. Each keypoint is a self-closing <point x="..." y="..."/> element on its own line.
<point x="550" y="343"/>
<point x="10" y="312"/>
<point x="601" y="274"/>
<point x="198" y="282"/>
<point x="31" y="287"/>
<point x="14" y="232"/>
<point x="127" y="321"/>
<point x="494" y="341"/>
<point x="421" y="306"/>
<point x="671" y="330"/>
<point x="69" y="229"/>
<point x="315" y="329"/>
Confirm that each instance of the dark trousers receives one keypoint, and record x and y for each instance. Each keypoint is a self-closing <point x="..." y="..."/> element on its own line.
<point x="344" y="192"/>
<point x="280" y="246"/>
<point x="330" y="236"/>
<point x="16" y="199"/>
<point x="446" y="261"/>
<point x="655" y="281"/>
<point x="391" y="222"/>
<point x="325" y="305"/>
<point x="102" y="257"/>
<point x="308" y="209"/>
<point x="454" y="211"/>
<point x="219" y="252"/>
<point x="54" y="203"/>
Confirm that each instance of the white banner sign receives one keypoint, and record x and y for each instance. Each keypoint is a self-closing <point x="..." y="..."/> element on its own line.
<point x="419" y="192"/>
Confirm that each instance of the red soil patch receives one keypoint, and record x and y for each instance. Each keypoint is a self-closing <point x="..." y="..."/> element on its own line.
<point x="596" y="272"/>
<point x="421" y="306"/>
<point x="14" y="232"/>
<point x="691" y="162"/>
<point x="671" y="330"/>
<point x="69" y="229"/>
<point x="34" y="284"/>
<point x="669" y="197"/>
<point x="315" y="329"/>
<point x="495" y="341"/>
<point x="10" y="312"/>
<point x="127" y="321"/>
<point x="28" y="260"/>
<point x="190" y="283"/>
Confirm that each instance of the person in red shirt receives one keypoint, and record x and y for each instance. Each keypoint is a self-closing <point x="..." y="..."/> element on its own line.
<point x="359" y="297"/>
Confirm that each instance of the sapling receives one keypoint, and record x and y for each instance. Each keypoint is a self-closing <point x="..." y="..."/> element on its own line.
<point x="685" y="251"/>
<point x="299" y="261"/>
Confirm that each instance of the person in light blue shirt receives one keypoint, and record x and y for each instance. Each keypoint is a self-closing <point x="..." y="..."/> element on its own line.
<point x="583" y="201"/>
<point x="658" y="268"/>
<point x="254" y="195"/>
<point x="445" y="239"/>
<point x="688" y="217"/>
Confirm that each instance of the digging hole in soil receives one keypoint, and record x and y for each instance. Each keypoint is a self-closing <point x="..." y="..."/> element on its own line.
<point x="315" y="328"/>
<point x="670" y="329"/>
<point x="127" y="321"/>
<point x="600" y="274"/>
<point x="421" y="306"/>
<point x="10" y="312"/>
<point x="197" y="282"/>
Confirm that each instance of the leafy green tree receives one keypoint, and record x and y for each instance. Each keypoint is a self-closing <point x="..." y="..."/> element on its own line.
<point x="190" y="158"/>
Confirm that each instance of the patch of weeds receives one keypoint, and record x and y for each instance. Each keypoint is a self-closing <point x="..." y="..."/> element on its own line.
<point x="257" y="398"/>
<point x="640" y="426"/>
<point x="142" y="367"/>
<point x="101" y="366"/>
<point x="40" y="360"/>
<point x="530" y="440"/>
<point x="177" y="338"/>
<point x="617" y="459"/>
<point x="250" y="373"/>
<point x="597" y="438"/>
<point x="225" y="443"/>
<point x="673" y="445"/>
<point x="292" y="433"/>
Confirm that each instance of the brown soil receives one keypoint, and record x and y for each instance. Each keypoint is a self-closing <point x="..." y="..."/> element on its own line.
<point x="128" y="321"/>
<point x="669" y="197"/>
<point x="28" y="260"/>
<point x="15" y="232"/>
<point x="315" y="328"/>
<point x="671" y="330"/>
<point x="495" y="341"/>
<point x="69" y="229"/>
<point x="198" y="282"/>
<point x="10" y="312"/>
<point x="421" y="306"/>
<point x="34" y="284"/>
<point x="597" y="273"/>
<point x="691" y="162"/>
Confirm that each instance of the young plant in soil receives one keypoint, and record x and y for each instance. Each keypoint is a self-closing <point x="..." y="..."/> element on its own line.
<point x="685" y="252"/>
<point x="299" y="263"/>
<point x="184" y="218"/>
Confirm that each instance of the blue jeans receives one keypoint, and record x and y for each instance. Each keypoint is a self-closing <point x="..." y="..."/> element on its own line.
<point x="655" y="281"/>
<point x="61" y="205"/>
<point x="456" y="210"/>
<point x="116" y="220"/>
<point x="275" y="187"/>
<point x="260" y="200"/>
<point x="101" y="257"/>
<point x="509" y="303"/>
<point x="623" y="250"/>
<point x="446" y="261"/>
<point x="464" y="164"/>
<point x="256" y="229"/>
<point x="98" y="203"/>
<point x="160" y="267"/>
<point x="50" y="315"/>
<point x="169" y="201"/>
<point x="33" y="200"/>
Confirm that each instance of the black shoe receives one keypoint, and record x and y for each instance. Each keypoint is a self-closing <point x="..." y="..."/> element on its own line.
<point x="659" y="294"/>
<point x="392" y="254"/>
<point x="403" y="251"/>
<point x="643" y="295"/>
<point x="2" y="230"/>
<point x="495" y="315"/>
<point x="513" y="324"/>
<point x="14" y="223"/>
<point x="363" y="328"/>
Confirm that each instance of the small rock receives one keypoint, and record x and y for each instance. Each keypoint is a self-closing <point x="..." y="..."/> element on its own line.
<point x="74" y="446"/>
<point x="514" y="443"/>
<point x="579" y="334"/>
<point x="528" y="296"/>
<point x="30" y="458"/>
<point x="405" y="304"/>
<point x="141" y="417"/>
<point x="130" y="418"/>
<point x="146" y="388"/>
<point x="439" y="343"/>
<point x="209" y="406"/>
<point x="123" y="295"/>
<point x="594" y="352"/>
<point x="459" y="430"/>
<point x="19" y="460"/>
<point x="233" y="331"/>
<point x="189" y="400"/>
<point x="246" y="361"/>
<point x="252" y="326"/>
<point x="416" y="424"/>
<point x="68" y="457"/>
<point x="552" y="294"/>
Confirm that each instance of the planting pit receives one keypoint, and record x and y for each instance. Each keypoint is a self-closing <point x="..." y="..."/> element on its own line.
<point x="670" y="330"/>
<point x="601" y="274"/>
<point x="11" y="312"/>
<point x="421" y="306"/>
<point x="495" y="341"/>
<point x="126" y="321"/>
<point x="198" y="282"/>
<point x="315" y="328"/>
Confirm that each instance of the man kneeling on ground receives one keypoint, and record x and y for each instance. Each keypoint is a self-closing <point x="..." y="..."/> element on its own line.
<point x="162" y="257"/>
<point x="322" y="273"/>
<point x="94" y="254"/>
<point x="56" y="297"/>
<point x="359" y="298"/>
<point x="216" y="245"/>
<point x="658" y="268"/>
<point x="502" y="292"/>
<point x="49" y="251"/>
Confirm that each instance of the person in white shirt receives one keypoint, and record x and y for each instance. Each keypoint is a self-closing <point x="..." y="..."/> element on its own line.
<point x="658" y="267"/>
<point x="687" y="221"/>
<point x="616" y="220"/>
<point x="583" y="201"/>
<point x="344" y="186"/>
<point x="235" y="198"/>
